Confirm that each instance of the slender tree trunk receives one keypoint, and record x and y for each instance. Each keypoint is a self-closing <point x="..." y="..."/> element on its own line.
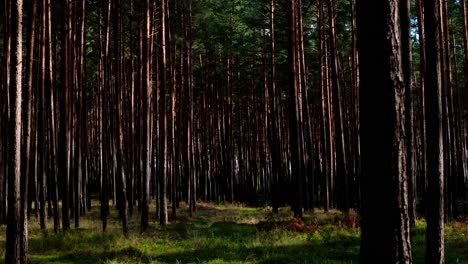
<point x="435" y="148"/>
<point x="306" y="127"/>
<point x="355" y="101"/>
<point x="26" y="136"/>
<point x="41" y="122"/>
<point x="409" y="122"/>
<point x="273" y="118"/>
<point x="51" y="109"/>
<point x="190" y="115"/>
<point x="64" y="150"/>
<point x="101" y="76"/>
<point x="172" y="131"/>
<point x="326" y="161"/>
<point x="14" y="232"/>
<point x="162" y="116"/>
<point x="133" y="149"/>
<point x="422" y="122"/>
<point x="464" y="12"/>
<point x="294" y="118"/>
<point x="119" y="117"/>
<point x="146" y="91"/>
<point x="341" y="161"/>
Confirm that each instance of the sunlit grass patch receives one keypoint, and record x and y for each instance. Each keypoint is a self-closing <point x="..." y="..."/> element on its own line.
<point x="229" y="233"/>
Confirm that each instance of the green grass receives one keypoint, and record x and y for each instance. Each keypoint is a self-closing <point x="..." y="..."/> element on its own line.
<point x="220" y="234"/>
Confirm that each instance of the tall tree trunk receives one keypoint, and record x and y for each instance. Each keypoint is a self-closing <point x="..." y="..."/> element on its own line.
<point x="14" y="232"/>
<point x="121" y="179"/>
<point x="50" y="102"/>
<point x="383" y="138"/>
<point x="464" y="12"/>
<point x="306" y="127"/>
<point x="326" y="151"/>
<point x="41" y="133"/>
<point x="294" y="115"/>
<point x="162" y="116"/>
<point x="64" y="150"/>
<point x="101" y="81"/>
<point x="341" y="161"/>
<point x="435" y="148"/>
<point x="273" y="132"/>
<point x="146" y="95"/>
<point x="132" y="148"/>
<point x="4" y="80"/>
<point x="355" y="101"/>
<point x="26" y="136"/>
<point x="422" y="83"/>
<point x="172" y="131"/>
<point x="409" y="115"/>
<point x="189" y="112"/>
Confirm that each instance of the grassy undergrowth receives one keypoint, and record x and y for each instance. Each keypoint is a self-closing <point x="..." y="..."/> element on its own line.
<point x="222" y="234"/>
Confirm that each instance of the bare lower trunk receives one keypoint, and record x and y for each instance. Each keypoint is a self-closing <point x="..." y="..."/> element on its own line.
<point x="14" y="232"/>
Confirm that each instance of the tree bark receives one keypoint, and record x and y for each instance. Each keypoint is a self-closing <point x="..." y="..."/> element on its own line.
<point x="14" y="232"/>
<point x="338" y="113"/>
<point x="162" y="116"/>
<point x="294" y="118"/>
<point x="383" y="138"/>
<point x="464" y="12"/>
<point x="146" y="91"/>
<point x="274" y="139"/>
<point x="26" y="136"/>
<point x="422" y="83"/>
<point x="41" y="122"/>
<point x="409" y="115"/>
<point x="435" y="148"/>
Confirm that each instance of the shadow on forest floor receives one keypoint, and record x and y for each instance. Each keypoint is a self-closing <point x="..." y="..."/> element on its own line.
<point x="304" y="253"/>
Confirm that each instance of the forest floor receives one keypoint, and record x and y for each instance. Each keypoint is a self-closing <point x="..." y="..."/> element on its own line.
<point x="222" y="234"/>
